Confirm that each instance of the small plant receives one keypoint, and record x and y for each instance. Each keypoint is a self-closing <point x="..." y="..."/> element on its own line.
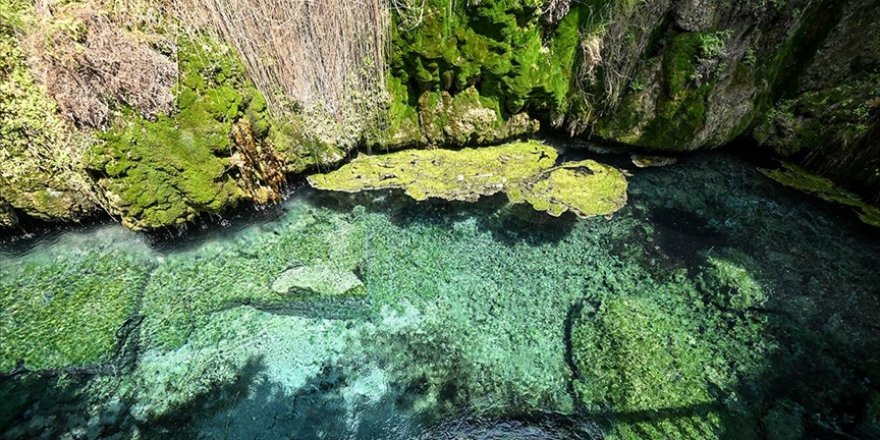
<point x="636" y="86"/>
<point x="750" y="58"/>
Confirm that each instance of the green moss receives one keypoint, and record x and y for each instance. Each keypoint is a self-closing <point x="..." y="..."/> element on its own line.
<point x="799" y="178"/>
<point x="643" y="359"/>
<point x="811" y="121"/>
<point x="190" y="286"/>
<point x="64" y="310"/>
<point x="631" y="345"/>
<point x="401" y="125"/>
<point x="586" y="188"/>
<point x="468" y="119"/>
<point x="524" y="171"/>
<point x="451" y="175"/>
<point x="682" y="111"/>
<point x="669" y="121"/>
<point x="730" y="285"/>
<point x="502" y="48"/>
<point x="870" y="215"/>
<point x="40" y="152"/>
<point x="165" y="172"/>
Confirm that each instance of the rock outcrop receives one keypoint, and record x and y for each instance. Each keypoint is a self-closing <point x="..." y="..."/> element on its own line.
<point x="798" y="77"/>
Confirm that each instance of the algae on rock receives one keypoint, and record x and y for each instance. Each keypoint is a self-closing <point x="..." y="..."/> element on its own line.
<point x="797" y="177"/>
<point x="586" y="188"/>
<point x="41" y="155"/>
<point x="525" y="171"/>
<point x="450" y="175"/>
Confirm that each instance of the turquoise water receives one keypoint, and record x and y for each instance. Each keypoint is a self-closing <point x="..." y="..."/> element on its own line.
<point x="716" y="304"/>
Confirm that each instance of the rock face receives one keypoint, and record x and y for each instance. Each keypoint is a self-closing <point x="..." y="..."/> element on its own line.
<point x="798" y="77"/>
<point x="40" y="154"/>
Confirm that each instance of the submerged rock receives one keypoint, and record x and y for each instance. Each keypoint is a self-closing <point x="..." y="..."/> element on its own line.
<point x="318" y="280"/>
<point x="652" y="161"/>
<point x="586" y="188"/>
<point x="444" y="174"/>
<point x="727" y="282"/>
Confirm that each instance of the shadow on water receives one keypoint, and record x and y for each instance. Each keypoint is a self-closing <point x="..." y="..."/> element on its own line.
<point x="818" y="269"/>
<point x="510" y="224"/>
<point x="256" y="408"/>
<point x="323" y="409"/>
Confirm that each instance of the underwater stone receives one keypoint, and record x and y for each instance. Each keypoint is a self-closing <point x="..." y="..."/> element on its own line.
<point x="651" y="161"/>
<point x="320" y="280"/>
<point x="730" y="285"/>
<point x="586" y="188"/>
<point x="450" y="175"/>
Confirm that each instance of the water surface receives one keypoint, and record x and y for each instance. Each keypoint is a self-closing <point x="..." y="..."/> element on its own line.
<point x="476" y="320"/>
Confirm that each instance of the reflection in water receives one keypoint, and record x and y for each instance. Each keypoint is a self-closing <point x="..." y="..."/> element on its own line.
<point x="715" y="304"/>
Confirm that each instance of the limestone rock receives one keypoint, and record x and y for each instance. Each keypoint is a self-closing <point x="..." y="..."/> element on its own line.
<point x="586" y="188"/>
<point x="318" y="280"/>
<point x="463" y="175"/>
<point x="642" y="161"/>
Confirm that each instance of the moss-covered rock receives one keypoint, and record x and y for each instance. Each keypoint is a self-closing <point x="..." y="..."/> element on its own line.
<point x="467" y="73"/>
<point x="400" y="127"/>
<point x="468" y="119"/>
<point x="586" y="188"/>
<point x="669" y="118"/>
<point x="634" y="355"/>
<point x="801" y="179"/>
<point x="451" y="175"/>
<point x="811" y="121"/>
<point x="643" y="161"/>
<point x="726" y="282"/>
<point x="166" y="172"/>
<point x="8" y="218"/>
<point x="666" y="365"/>
<point x="41" y="155"/>
<point x="524" y="171"/>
